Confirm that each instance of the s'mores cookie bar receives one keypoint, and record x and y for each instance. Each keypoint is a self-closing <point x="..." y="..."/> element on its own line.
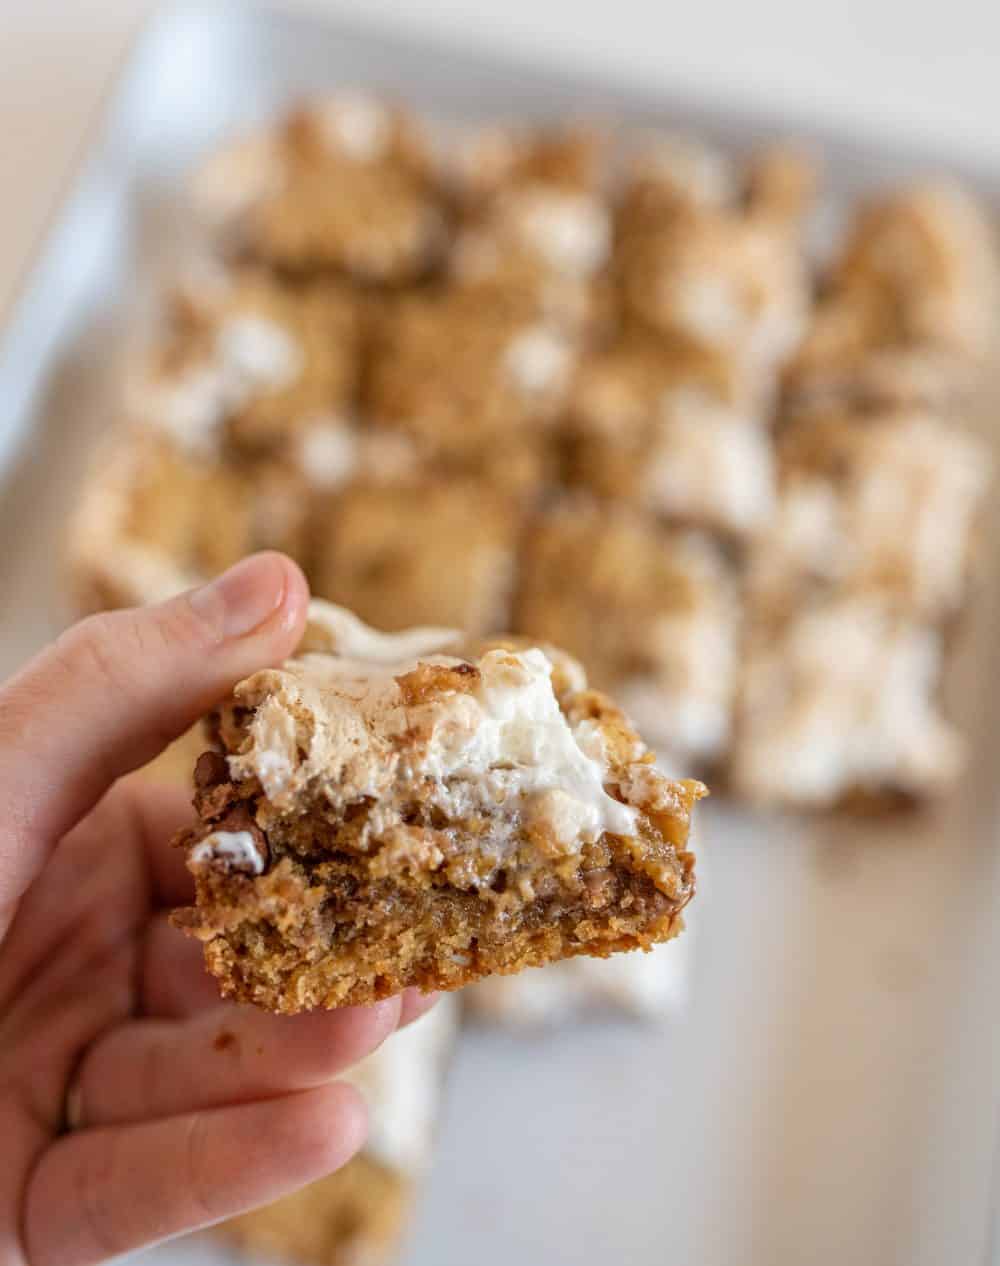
<point x="476" y="387"/>
<point x="887" y="499"/>
<point x="344" y="183"/>
<point x="407" y="552"/>
<point x="652" y="612"/>
<point x="839" y="704"/>
<point x="536" y="223"/>
<point x="850" y="591"/>
<point x="247" y="363"/>
<point x="155" y="520"/>
<point x="908" y="309"/>
<point x="662" y="428"/>
<point x="359" y="1214"/>
<point x="397" y="810"/>
<point x="715" y="264"/>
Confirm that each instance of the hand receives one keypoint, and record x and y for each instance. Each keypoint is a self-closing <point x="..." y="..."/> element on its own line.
<point x="184" y="1110"/>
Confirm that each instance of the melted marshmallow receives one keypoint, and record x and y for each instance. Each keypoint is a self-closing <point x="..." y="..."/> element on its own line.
<point x="502" y="746"/>
<point x="571" y="232"/>
<point x="258" y="352"/>
<point x="355" y="125"/>
<point x="251" y="354"/>
<point x="511" y="738"/>
<point x="711" y="463"/>
<point x="235" y="848"/>
<point x="328" y="453"/>
<point x="538" y="360"/>
<point x="846" y="698"/>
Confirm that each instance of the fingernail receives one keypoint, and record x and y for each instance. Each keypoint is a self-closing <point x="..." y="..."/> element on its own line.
<point x="244" y="597"/>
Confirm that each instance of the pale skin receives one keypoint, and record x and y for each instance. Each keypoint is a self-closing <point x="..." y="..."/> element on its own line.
<point x="184" y="1109"/>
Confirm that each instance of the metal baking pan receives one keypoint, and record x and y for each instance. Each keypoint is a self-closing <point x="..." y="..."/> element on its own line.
<point x="830" y="1096"/>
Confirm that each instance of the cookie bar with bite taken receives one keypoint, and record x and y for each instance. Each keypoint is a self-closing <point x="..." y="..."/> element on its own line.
<point x="391" y="811"/>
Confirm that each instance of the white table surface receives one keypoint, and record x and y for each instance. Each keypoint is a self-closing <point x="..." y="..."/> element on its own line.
<point x="886" y="67"/>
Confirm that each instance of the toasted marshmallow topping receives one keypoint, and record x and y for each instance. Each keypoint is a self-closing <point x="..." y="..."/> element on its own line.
<point x="571" y="232"/>
<point x="355" y="125"/>
<point x="843" y="699"/>
<point x="337" y="631"/>
<point x="899" y="509"/>
<point x="539" y="361"/>
<point x="511" y="736"/>
<point x="501" y="747"/>
<point x="188" y="409"/>
<point x="711" y="464"/>
<point x="694" y="171"/>
<point x="328" y="453"/>
<point x="251" y="354"/>
<point x="258" y="352"/>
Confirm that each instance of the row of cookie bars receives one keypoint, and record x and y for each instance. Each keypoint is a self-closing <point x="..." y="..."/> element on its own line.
<point x="496" y="384"/>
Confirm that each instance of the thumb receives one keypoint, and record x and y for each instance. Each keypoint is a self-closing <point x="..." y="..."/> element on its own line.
<point x="115" y="689"/>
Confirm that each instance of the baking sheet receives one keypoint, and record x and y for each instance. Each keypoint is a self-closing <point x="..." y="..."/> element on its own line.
<point x="831" y="1095"/>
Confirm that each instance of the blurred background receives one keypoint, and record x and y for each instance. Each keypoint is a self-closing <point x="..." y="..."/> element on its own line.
<point x="821" y="1082"/>
<point x="882" y="68"/>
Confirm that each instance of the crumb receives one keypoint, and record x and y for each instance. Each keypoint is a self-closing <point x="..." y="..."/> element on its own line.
<point x="226" y="1041"/>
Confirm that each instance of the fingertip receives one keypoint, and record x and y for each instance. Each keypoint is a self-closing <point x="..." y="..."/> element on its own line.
<point x="292" y="611"/>
<point x="329" y="1125"/>
<point x="324" y="1043"/>
<point x="414" y="1004"/>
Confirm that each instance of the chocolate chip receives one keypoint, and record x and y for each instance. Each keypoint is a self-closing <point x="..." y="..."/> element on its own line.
<point x="211" y="770"/>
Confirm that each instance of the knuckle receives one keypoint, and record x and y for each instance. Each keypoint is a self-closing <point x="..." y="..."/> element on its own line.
<point x="115" y="646"/>
<point x="97" y="647"/>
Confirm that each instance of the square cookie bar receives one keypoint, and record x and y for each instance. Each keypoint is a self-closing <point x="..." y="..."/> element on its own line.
<point x="654" y="613"/>
<point x="535" y="223"/>
<point x="404" y="810"/>
<point x="411" y="551"/>
<point x="663" y="429"/>
<point x="839" y="704"/>
<point x="155" y="520"/>
<point x="475" y="385"/>
<point x="907" y="314"/>
<point x="247" y="363"/>
<point x="887" y="499"/>
<point x="713" y="259"/>
<point x="343" y="183"/>
<point x="359" y="1214"/>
